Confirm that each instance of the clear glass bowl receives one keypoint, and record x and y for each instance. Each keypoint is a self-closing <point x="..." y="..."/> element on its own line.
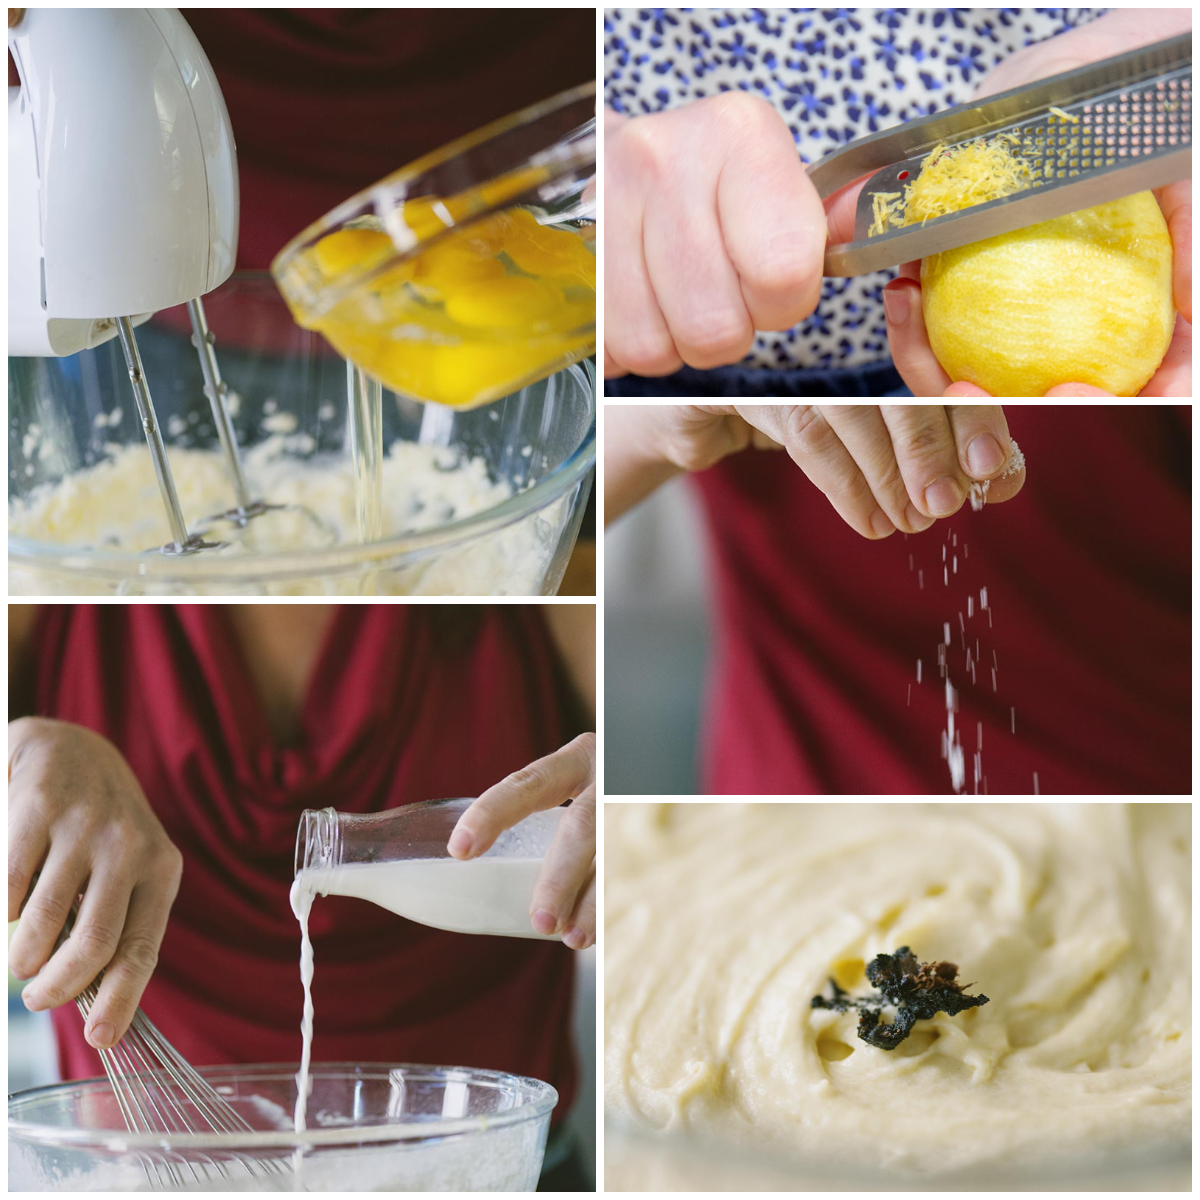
<point x="532" y="453"/>
<point x="470" y="272"/>
<point x="371" y="1128"/>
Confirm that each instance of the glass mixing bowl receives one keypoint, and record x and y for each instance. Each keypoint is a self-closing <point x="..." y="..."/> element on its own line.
<point x="371" y="1128"/>
<point x="509" y="529"/>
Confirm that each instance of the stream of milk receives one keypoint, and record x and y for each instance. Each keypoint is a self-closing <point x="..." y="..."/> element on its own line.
<point x="480" y="896"/>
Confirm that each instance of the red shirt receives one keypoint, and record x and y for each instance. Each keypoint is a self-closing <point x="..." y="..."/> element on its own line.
<point x="406" y="703"/>
<point x="1088" y="573"/>
<point x="325" y="101"/>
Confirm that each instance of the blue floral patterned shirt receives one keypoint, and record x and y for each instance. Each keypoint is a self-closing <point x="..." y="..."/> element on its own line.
<point x="833" y="75"/>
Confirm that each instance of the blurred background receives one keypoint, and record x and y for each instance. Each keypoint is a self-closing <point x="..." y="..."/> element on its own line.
<point x="655" y="641"/>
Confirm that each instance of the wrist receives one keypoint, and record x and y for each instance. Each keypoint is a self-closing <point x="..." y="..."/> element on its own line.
<point x="637" y="455"/>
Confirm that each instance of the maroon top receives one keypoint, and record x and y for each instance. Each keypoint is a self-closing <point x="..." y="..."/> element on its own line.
<point x="406" y="703"/>
<point x="325" y="101"/>
<point x="1088" y="573"/>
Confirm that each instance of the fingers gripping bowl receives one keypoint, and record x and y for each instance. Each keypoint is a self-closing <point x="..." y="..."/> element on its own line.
<point x="475" y="502"/>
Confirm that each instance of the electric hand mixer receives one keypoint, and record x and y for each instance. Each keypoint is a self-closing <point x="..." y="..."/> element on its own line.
<point x="123" y="200"/>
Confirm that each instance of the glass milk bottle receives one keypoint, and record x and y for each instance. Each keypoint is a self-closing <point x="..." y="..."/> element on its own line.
<point x="398" y="860"/>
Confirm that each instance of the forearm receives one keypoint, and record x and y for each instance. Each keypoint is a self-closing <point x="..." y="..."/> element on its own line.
<point x="573" y="628"/>
<point x="1114" y="33"/>
<point x="634" y="464"/>
<point x="21" y="618"/>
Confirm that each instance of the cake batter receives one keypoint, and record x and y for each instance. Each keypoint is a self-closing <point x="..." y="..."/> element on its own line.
<point x="114" y="506"/>
<point x="723" y="921"/>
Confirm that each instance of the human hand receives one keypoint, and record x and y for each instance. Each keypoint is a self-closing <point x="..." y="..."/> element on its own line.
<point x="713" y="230"/>
<point x="883" y="467"/>
<point x="1114" y="33"/>
<point x="79" y="822"/>
<point x="921" y="371"/>
<point x="564" y="899"/>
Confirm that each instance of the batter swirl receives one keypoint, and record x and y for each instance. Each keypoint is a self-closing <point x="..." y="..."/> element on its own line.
<point x="723" y="920"/>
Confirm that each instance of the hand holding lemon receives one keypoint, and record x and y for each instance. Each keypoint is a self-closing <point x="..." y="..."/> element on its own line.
<point x="1081" y="305"/>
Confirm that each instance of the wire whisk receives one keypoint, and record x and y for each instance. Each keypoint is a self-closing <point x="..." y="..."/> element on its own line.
<point x="159" y="1091"/>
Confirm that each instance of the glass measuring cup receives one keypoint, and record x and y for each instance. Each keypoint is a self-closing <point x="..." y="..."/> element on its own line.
<point x="469" y="273"/>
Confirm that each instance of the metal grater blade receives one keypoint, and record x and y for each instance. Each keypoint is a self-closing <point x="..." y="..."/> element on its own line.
<point x="1089" y="136"/>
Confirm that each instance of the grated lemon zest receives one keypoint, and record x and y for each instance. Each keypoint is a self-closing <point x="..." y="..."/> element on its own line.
<point x="1064" y="116"/>
<point x="954" y="178"/>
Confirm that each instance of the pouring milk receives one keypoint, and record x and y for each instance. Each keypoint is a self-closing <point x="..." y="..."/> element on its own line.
<point x="398" y="860"/>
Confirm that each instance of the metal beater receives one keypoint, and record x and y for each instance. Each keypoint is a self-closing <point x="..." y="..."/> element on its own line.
<point x="125" y="216"/>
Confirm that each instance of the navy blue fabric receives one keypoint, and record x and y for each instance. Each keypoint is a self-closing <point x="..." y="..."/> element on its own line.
<point x="877" y="380"/>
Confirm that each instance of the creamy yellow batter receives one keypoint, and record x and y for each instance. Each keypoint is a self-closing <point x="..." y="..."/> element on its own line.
<point x="723" y="921"/>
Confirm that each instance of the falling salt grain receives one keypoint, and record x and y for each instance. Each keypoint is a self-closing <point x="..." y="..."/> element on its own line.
<point x="910" y="693"/>
<point x="946" y="631"/>
<point x="956" y="564"/>
<point x="946" y="576"/>
<point x="1013" y="713"/>
<point x="970" y="606"/>
<point x="921" y="579"/>
<point x="1036" y="790"/>
<point x="983" y="597"/>
<point x="918" y="672"/>
<point x="952" y="742"/>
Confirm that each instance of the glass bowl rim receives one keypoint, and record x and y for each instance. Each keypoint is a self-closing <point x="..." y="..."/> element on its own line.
<point x="368" y="196"/>
<point x="542" y="1100"/>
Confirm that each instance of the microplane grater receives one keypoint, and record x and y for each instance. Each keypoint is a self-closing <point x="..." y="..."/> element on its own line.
<point x="1132" y="132"/>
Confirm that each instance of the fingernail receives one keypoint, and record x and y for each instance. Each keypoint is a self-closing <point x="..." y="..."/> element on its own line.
<point x="943" y="497"/>
<point x="916" y="519"/>
<point x="895" y="305"/>
<point x="881" y="525"/>
<point x="102" y="1035"/>
<point x="984" y="456"/>
<point x="460" y="843"/>
<point x="574" y="938"/>
<point x="544" y="922"/>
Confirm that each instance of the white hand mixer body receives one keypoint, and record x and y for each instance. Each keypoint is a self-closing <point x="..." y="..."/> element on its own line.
<point x="123" y="200"/>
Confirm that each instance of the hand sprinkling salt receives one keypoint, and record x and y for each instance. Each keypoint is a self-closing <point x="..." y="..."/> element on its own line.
<point x="1016" y="462"/>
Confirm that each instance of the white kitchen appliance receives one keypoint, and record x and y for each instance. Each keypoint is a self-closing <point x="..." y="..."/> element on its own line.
<point x="122" y="200"/>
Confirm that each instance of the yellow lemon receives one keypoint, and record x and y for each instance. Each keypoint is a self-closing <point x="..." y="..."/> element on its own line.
<point x="1084" y="298"/>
